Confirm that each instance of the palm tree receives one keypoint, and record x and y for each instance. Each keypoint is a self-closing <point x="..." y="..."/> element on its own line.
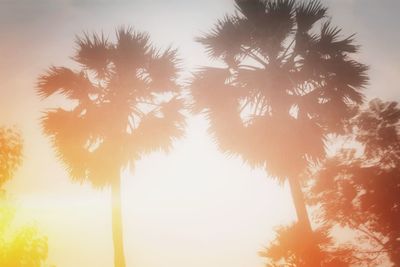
<point x="281" y="86"/>
<point x="124" y="104"/>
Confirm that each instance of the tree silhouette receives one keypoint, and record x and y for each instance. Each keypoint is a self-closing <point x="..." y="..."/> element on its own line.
<point x="25" y="247"/>
<point x="10" y="153"/>
<point x="281" y="88"/>
<point x="292" y="247"/>
<point x="359" y="187"/>
<point x="124" y="105"/>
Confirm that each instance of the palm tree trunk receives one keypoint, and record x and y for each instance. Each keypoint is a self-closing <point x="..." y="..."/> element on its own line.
<point x="119" y="257"/>
<point x="315" y="256"/>
<point x="300" y="205"/>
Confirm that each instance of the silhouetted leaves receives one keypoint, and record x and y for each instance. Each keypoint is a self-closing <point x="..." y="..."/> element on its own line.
<point x="125" y="105"/>
<point x="293" y="247"/>
<point x="93" y="53"/>
<point x="27" y="248"/>
<point x="359" y="187"/>
<point x="308" y="13"/>
<point x="10" y="153"/>
<point x="62" y="80"/>
<point x="23" y="246"/>
<point x="283" y="88"/>
<point x="128" y="108"/>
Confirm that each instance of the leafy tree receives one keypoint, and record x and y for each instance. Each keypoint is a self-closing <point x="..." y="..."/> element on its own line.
<point x="25" y="247"/>
<point x="123" y="105"/>
<point x="281" y="87"/>
<point x="359" y="187"/>
<point x="10" y="153"/>
<point x="292" y="247"/>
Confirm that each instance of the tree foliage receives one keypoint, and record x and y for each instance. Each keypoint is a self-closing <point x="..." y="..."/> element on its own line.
<point x="359" y="187"/>
<point x="124" y="103"/>
<point x="294" y="247"/>
<point x="10" y="153"/>
<point x="285" y="83"/>
<point x="24" y="247"/>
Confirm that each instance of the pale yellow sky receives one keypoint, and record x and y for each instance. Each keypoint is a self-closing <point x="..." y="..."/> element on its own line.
<point x="194" y="207"/>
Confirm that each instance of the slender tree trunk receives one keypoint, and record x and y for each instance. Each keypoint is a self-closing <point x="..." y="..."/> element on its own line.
<point x="119" y="257"/>
<point x="304" y="221"/>
<point x="299" y="203"/>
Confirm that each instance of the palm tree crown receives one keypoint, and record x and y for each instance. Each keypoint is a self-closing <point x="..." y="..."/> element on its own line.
<point x="282" y="86"/>
<point x="124" y="104"/>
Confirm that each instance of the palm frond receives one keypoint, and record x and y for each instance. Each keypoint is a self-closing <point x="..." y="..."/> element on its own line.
<point x="308" y="13"/>
<point x="277" y="27"/>
<point x="226" y="127"/>
<point x="269" y="23"/>
<point x="251" y="8"/>
<point x="225" y="40"/>
<point x="93" y="53"/>
<point x="283" y="8"/>
<point x="69" y="137"/>
<point x="104" y="164"/>
<point x="294" y="87"/>
<point x="262" y="144"/>
<point x="162" y="71"/>
<point x="329" y="42"/>
<point x="109" y="127"/>
<point x="131" y="49"/>
<point x="65" y="81"/>
<point x="352" y="73"/>
<point x="210" y="90"/>
<point x="157" y="132"/>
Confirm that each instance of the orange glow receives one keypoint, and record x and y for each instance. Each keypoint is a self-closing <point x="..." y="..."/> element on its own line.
<point x="193" y="206"/>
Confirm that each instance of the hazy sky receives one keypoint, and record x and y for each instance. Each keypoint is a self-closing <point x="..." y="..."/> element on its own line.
<point x="194" y="207"/>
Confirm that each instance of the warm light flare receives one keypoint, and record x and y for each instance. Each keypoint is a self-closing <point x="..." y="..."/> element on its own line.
<point x="240" y="133"/>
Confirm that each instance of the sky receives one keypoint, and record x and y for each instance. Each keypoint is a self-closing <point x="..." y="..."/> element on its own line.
<point x="193" y="207"/>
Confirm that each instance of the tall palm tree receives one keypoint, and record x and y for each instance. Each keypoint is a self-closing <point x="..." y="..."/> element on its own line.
<point x="281" y="86"/>
<point x="124" y="104"/>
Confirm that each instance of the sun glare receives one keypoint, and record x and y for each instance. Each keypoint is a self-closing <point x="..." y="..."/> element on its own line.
<point x="229" y="133"/>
